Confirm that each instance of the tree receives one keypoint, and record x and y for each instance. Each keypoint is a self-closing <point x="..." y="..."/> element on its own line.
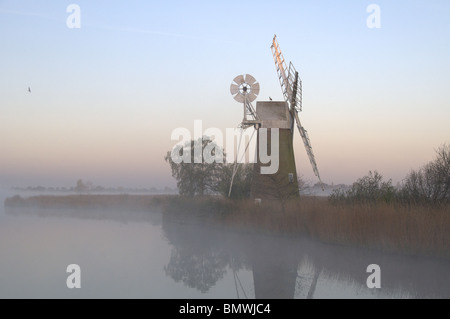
<point x="276" y="187"/>
<point x="242" y="181"/>
<point x="431" y="183"/>
<point x="369" y="189"/>
<point x="81" y="187"/>
<point x="304" y="186"/>
<point x="194" y="174"/>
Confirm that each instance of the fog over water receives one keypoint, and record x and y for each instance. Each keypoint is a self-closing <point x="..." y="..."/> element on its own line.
<point x="147" y="255"/>
<point x="94" y="94"/>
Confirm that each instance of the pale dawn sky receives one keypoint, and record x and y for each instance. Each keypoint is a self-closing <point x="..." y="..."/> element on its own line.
<point x="105" y="97"/>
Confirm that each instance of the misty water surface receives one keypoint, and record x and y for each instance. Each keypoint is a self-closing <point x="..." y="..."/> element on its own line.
<point x="145" y="255"/>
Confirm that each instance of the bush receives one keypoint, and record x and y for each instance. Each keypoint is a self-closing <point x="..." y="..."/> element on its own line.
<point x="369" y="189"/>
<point x="430" y="184"/>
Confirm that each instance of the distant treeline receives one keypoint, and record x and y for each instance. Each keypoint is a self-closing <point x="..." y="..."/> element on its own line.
<point x="82" y="187"/>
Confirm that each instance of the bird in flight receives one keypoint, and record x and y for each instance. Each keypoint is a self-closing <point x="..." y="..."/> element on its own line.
<point x="29" y="90"/>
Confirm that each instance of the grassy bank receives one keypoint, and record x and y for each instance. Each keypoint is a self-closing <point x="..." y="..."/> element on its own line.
<point x="418" y="230"/>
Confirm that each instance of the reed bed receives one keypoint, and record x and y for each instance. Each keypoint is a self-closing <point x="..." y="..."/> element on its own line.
<point x="422" y="230"/>
<point x="389" y="227"/>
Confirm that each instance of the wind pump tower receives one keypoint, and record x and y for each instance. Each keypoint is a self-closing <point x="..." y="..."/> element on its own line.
<point x="282" y="115"/>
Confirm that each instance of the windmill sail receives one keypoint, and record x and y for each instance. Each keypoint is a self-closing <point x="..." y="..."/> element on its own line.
<point x="291" y="86"/>
<point x="308" y="147"/>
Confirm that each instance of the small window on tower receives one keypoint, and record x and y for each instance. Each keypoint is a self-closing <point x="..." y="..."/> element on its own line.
<point x="291" y="177"/>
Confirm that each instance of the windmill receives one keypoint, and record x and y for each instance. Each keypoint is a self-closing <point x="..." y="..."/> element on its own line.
<point x="276" y="117"/>
<point x="291" y="86"/>
<point x="244" y="89"/>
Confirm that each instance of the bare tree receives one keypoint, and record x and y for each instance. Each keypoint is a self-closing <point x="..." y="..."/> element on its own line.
<point x="369" y="189"/>
<point x="279" y="188"/>
<point x="431" y="183"/>
<point x="304" y="186"/>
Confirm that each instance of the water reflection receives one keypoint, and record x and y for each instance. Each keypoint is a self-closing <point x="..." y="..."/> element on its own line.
<point x="295" y="268"/>
<point x="154" y="255"/>
<point x="196" y="258"/>
<point x="118" y="215"/>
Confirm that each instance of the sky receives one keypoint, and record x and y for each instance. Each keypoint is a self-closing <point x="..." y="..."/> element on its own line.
<point x="105" y="97"/>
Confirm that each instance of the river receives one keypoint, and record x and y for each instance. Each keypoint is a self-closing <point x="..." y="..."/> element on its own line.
<point x="146" y="255"/>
